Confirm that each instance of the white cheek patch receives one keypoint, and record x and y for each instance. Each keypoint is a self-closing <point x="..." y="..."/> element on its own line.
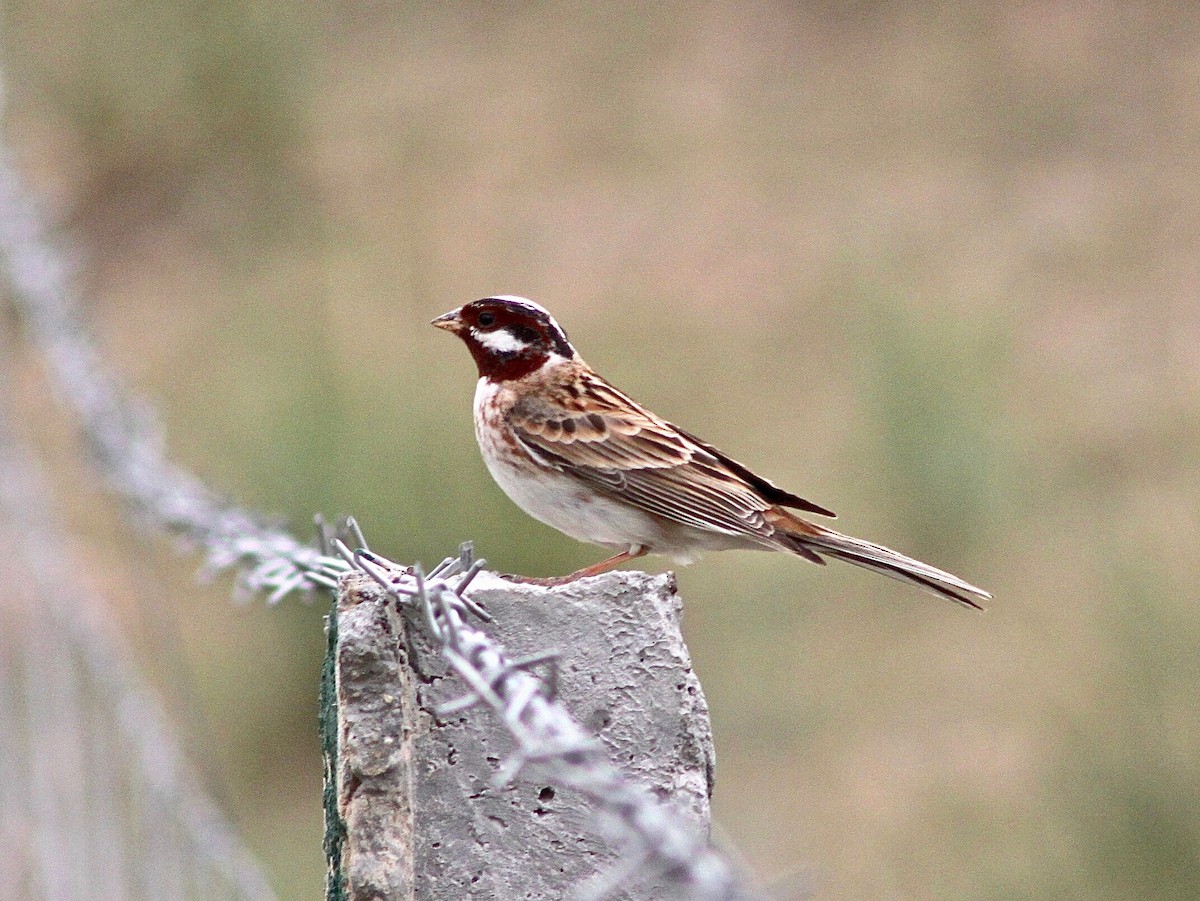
<point x="528" y="304"/>
<point x="501" y="341"/>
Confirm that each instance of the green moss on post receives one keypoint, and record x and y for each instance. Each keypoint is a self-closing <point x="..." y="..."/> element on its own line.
<point x="327" y="718"/>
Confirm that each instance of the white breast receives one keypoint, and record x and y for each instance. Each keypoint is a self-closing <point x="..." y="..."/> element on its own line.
<point x="552" y="497"/>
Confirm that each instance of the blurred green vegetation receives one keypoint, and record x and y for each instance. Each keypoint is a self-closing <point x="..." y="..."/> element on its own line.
<point x="932" y="266"/>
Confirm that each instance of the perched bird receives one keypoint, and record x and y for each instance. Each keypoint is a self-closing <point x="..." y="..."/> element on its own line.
<point x="577" y="454"/>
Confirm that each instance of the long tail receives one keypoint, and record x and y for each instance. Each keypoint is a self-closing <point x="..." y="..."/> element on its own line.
<point x="813" y="540"/>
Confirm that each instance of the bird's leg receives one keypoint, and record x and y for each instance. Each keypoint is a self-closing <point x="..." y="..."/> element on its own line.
<point x="594" y="570"/>
<point x="605" y="565"/>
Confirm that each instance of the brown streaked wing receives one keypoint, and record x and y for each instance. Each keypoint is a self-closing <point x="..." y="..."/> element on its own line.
<point x="623" y="450"/>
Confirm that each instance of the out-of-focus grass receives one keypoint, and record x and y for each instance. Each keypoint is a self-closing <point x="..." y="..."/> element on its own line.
<point x="934" y="269"/>
<point x="931" y="395"/>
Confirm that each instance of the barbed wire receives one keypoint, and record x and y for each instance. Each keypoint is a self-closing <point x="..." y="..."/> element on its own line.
<point x="656" y="839"/>
<point x="121" y="433"/>
<point x="127" y="448"/>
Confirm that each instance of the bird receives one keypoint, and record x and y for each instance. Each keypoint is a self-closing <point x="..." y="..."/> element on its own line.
<point x="581" y="456"/>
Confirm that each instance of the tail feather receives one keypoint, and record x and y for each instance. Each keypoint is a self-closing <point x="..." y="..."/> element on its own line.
<point x="819" y="540"/>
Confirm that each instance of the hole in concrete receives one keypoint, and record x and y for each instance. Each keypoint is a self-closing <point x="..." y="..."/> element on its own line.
<point x="546" y="794"/>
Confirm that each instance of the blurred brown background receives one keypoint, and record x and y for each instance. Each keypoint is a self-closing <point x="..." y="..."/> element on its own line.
<point x="935" y="266"/>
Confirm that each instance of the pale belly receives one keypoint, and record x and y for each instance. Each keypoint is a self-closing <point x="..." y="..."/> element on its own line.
<point x="566" y="504"/>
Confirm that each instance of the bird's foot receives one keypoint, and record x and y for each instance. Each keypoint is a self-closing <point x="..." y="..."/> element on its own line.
<point x="594" y="570"/>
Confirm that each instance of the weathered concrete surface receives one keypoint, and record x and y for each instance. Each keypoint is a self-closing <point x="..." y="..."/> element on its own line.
<point x="423" y="820"/>
<point x="377" y="707"/>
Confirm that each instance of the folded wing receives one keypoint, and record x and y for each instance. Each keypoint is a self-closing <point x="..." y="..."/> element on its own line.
<point x="605" y="439"/>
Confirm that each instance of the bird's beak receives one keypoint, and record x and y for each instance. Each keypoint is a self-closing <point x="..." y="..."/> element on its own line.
<point x="451" y="321"/>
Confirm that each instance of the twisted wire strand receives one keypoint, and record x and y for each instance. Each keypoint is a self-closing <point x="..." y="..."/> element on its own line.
<point x="121" y="434"/>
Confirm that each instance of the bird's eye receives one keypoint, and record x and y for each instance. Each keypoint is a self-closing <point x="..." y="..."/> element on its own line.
<point x="487" y="320"/>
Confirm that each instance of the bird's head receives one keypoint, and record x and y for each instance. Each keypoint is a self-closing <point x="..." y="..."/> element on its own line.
<point x="509" y="337"/>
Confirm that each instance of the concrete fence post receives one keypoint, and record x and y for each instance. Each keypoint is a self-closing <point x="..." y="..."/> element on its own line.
<point x="423" y="819"/>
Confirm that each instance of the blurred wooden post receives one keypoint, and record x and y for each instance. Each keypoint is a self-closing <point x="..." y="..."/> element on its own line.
<point x="422" y="820"/>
